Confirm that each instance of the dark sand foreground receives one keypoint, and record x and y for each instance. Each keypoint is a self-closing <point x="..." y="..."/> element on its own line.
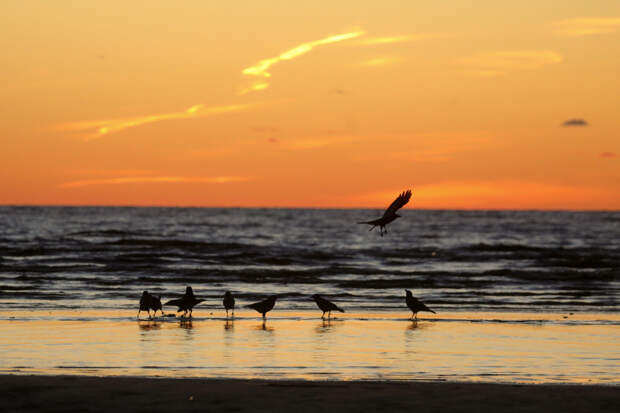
<point x="97" y="394"/>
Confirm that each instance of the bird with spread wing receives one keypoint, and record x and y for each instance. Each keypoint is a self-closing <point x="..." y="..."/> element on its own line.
<point x="390" y="213"/>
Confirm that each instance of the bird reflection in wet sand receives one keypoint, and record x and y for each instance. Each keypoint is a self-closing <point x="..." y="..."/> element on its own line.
<point x="186" y="324"/>
<point x="185" y="303"/>
<point x="413" y="325"/>
<point x="229" y="303"/>
<point x="229" y="325"/>
<point x="264" y="306"/>
<point x="415" y="305"/>
<point x="324" y="327"/>
<point x="326" y="306"/>
<point x="264" y="327"/>
<point x="149" y="325"/>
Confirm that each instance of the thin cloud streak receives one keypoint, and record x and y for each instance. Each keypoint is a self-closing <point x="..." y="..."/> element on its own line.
<point x="575" y="122"/>
<point x="381" y="61"/>
<point x="399" y="38"/>
<point x="503" y="62"/>
<point x="260" y="69"/>
<point x="586" y="26"/>
<point x="99" y="128"/>
<point x="155" y="179"/>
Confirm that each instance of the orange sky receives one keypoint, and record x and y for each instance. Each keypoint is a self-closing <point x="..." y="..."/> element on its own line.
<point x="269" y="103"/>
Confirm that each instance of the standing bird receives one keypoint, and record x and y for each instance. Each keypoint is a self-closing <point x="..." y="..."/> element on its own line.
<point x="415" y="305"/>
<point x="390" y="213"/>
<point x="264" y="306"/>
<point x="156" y="304"/>
<point x="229" y="303"/>
<point x="326" y="306"/>
<point x="185" y="303"/>
<point x="145" y="303"/>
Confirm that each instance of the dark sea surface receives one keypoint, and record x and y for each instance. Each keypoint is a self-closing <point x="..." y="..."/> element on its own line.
<point x="514" y="261"/>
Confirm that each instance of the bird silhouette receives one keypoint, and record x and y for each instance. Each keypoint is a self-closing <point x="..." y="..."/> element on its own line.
<point x="264" y="306"/>
<point x="390" y="213"/>
<point x="326" y="306"/>
<point x="156" y="304"/>
<point x="229" y="303"/>
<point x="185" y="303"/>
<point x="415" y="305"/>
<point x="145" y="303"/>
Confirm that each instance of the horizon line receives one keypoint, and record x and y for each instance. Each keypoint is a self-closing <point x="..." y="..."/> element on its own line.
<point x="302" y="207"/>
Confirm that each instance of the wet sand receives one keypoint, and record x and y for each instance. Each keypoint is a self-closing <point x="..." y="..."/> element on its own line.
<point x="102" y="394"/>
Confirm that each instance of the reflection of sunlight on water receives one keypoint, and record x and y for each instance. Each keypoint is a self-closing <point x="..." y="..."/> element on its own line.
<point x="454" y="346"/>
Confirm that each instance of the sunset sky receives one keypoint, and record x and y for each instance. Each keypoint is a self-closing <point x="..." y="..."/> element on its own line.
<point x="485" y="104"/>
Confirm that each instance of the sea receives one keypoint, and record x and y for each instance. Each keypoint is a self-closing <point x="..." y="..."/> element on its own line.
<point x="547" y="282"/>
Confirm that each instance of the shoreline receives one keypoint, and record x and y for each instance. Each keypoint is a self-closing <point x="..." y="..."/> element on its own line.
<point x="97" y="394"/>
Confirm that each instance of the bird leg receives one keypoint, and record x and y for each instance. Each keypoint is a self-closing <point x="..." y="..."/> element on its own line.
<point x="329" y="314"/>
<point x="227" y="313"/>
<point x="323" y="316"/>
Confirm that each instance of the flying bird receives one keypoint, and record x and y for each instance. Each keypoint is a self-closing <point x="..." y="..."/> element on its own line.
<point x="326" y="306"/>
<point x="229" y="303"/>
<point x="185" y="303"/>
<point x="415" y="305"/>
<point x="390" y="213"/>
<point x="264" y="306"/>
<point x="145" y="303"/>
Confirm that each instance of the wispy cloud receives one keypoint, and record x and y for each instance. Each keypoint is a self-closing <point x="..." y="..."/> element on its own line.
<point x="502" y="62"/>
<point x="575" y="122"/>
<point x="98" y="128"/>
<point x="260" y="70"/>
<point x="608" y="155"/>
<point x="155" y="179"/>
<point x="586" y="26"/>
<point x="381" y="61"/>
<point x="399" y="38"/>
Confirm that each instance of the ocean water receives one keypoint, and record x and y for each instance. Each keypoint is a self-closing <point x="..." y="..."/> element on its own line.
<point x="520" y="296"/>
<point x="74" y="257"/>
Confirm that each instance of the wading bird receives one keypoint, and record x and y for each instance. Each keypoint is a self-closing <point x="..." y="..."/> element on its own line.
<point x="145" y="303"/>
<point x="415" y="305"/>
<point x="156" y="304"/>
<point x="326" y="306"/>
<point x="264" y="306"/>
<point x="390" y="213"/>
<point x="185" y="303"/>
<point x="229" y="303"/>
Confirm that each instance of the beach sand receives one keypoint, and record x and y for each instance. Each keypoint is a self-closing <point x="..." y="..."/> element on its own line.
<point x="99" y="394"/>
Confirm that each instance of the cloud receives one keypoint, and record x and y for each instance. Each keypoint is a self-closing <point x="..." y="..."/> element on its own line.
<point x="608" y="155"/>
<point x="575" y="122"/>
<point x="399" y="38"/>
<point x="154" y="179"/>
<point x="260" y="70"/>
<point x="381" y="61"/>
<point x="586" y="26"/>
<point x="98" y="128"/>
<point x="502" y="62"/>
<point x="337" y="91"/>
